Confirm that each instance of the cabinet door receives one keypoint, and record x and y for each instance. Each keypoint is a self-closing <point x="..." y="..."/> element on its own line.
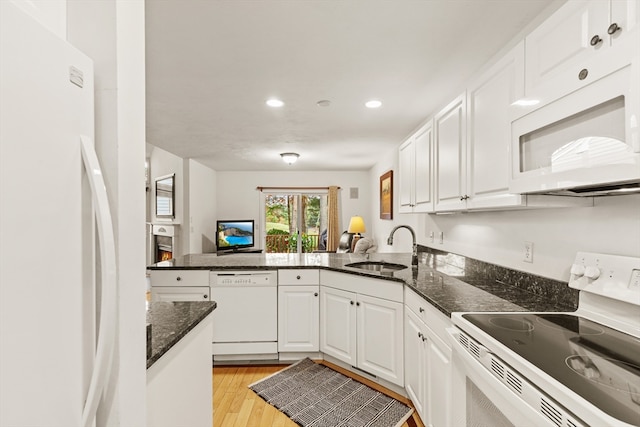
<point x="415" y="362"/>
<point x="489" y="100"/>
<point x="406" y="164"/>
<point x="298" y="318"/>
<point x="438" y="381"/>
<point x="423" y="188"/>
<point x="450" y="137"/>
<point x="380" y="338"/>
<point x="561" y="47"/>
<point x="338" y="324"/>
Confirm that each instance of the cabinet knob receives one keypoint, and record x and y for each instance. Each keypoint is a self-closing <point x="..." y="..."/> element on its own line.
<point x="298" y="277"/>
<point x="583" y="74"/>
<point x="205" y="296"/>
<point x="613" y="28"/>
<point x="421" y="310"/>
<point x="315" y="294"/>
<point x="178" y="278"/>
<point x="358" y="304"/>
<point x="351" y="302"/>
<point x="419" y="334"/>
<point x="595" y="40"/>
<point x="463" y="198"/>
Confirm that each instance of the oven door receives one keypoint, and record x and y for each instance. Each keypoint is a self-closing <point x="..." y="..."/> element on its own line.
<point x="481" y="399"/>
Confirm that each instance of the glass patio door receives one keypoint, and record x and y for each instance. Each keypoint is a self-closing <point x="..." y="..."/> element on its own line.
<point x="294" y="222"/>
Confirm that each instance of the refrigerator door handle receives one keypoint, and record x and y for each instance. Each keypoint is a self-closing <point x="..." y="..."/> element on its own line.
<point x="107" y="332"/>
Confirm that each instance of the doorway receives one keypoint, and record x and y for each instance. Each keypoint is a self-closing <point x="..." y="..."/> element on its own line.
<point x="294" y="221"/>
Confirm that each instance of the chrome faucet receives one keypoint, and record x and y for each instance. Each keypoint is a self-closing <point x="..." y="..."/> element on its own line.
<point x="414" y="254"/>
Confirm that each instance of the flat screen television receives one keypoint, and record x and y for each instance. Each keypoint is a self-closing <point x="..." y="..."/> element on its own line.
<point x="234" y="235"/>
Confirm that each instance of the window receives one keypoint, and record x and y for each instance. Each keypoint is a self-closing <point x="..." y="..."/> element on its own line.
<point x="294" y="221"/>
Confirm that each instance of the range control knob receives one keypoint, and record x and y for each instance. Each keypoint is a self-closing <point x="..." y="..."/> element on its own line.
<point x="592" y="272"/>
<point x="577" y="270"/>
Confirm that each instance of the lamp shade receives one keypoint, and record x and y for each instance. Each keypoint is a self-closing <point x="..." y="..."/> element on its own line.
<point x="356" y="225"/>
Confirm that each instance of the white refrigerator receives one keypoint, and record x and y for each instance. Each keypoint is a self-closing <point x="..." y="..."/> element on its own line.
<point x="57" y="258"/>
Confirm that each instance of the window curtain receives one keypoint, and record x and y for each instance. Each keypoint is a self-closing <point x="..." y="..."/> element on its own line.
<point x="333" y="233"/>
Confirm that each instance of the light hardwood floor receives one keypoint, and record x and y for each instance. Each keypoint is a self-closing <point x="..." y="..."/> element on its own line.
<point x="235" y="405"/>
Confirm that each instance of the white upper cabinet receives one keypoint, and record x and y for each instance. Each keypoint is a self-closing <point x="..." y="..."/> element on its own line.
<point x="416" y="190"/>
<point x="450" y="156"/>
<point x="489" y="99"/>
<point x="579" y="44"/>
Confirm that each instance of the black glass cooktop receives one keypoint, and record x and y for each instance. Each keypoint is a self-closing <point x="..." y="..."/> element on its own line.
<point x="599" y="363"/>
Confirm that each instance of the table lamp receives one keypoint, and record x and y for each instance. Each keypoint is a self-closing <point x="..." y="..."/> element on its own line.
<point x="356" y="226"/>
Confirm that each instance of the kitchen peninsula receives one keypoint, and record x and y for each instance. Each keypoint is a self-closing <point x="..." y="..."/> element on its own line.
<point x="179" y="377"/>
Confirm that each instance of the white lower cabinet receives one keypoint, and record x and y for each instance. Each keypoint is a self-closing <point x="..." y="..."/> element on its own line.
<point x="298" y="318"/>
<point x="363" y="330"/>
<point x="338" y="324"/>
<point x="428" y="369"/>
<point x="379" y="337"/>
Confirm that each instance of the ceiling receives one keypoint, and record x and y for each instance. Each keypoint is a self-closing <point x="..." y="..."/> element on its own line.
<point x="212" y="64"/>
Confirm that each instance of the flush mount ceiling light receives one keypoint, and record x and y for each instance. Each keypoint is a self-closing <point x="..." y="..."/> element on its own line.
<point x="323" y="103"/>
<point x="289" y="158"/>
<point x="374" y="103"/>
<point x="275" y="103"/>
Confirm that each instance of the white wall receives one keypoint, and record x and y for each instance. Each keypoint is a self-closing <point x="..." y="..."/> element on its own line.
<point x="237" y="197"/>
<point x="201" y="206"/>
<point x="611" y="226"/>
<point x="382" y="227"/>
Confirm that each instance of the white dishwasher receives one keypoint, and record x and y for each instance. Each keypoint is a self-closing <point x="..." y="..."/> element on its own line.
<point x="246" y="321"/>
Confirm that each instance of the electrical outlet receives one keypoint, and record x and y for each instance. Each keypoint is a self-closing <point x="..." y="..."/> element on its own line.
<point x="431" y="235"/>
<point x="528" y="252"/>
<point x="441" y="237"/>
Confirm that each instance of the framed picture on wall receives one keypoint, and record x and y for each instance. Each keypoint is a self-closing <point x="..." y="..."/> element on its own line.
<point x="386" y="195"/>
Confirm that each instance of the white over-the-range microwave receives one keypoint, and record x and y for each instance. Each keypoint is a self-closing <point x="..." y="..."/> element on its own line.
<point x="585" y="143"/>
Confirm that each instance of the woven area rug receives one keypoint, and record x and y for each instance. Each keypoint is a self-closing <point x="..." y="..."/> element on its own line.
<point x="314" y="395"/>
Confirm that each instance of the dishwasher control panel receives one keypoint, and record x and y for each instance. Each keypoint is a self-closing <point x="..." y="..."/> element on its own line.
<point x="244" y="278"/>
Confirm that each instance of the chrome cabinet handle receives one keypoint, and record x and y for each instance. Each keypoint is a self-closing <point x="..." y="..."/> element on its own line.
<point x="583" y="74"/>
<point x="595" y="40"/>
<point x="613" y="28"/>
<point x="421" y="310"/>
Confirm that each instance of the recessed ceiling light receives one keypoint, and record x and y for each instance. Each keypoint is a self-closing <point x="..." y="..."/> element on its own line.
<point x="323" y="103"/>
<point x="273" y="102"/>
<point x="374" y="103"/>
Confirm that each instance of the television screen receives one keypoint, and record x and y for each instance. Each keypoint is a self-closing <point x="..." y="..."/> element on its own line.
<point x="235" y="234"/>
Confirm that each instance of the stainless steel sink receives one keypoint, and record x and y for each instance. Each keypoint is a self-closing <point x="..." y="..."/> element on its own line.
<point x="380" y="266"/>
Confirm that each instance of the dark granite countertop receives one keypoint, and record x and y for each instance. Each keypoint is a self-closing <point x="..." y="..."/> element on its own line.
<point x="450" y="282"/>
<point x="170" y="322"/>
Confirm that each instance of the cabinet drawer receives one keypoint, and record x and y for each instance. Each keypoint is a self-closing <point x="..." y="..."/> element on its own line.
<point x="431" y="316"/>
<point x="180" y="278"/>
<point x="298" y="277"/>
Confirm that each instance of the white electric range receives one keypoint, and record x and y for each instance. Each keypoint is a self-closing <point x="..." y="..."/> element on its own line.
<point x="555" y="369"/>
